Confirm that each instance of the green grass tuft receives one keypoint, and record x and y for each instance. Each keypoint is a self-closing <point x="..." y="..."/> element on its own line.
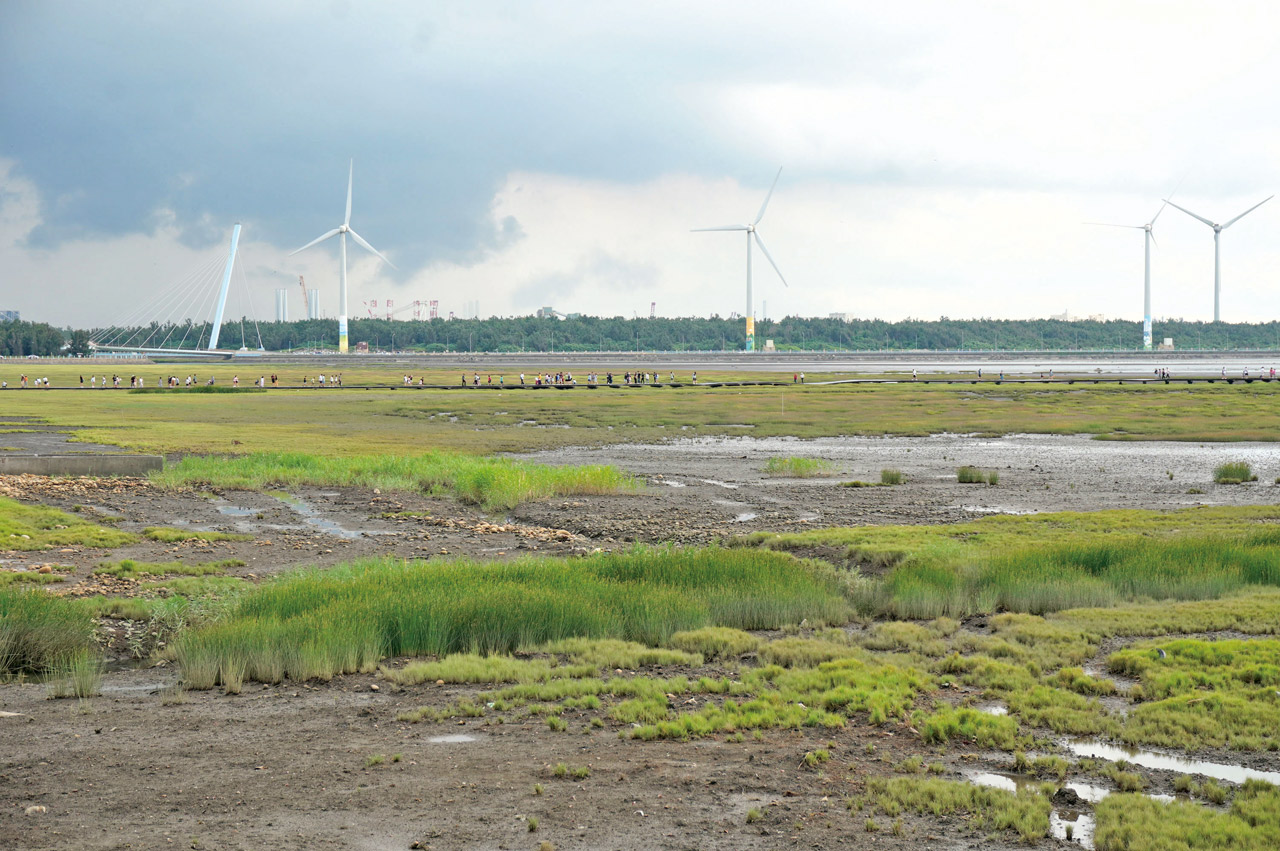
<point x="169" y="535"/>
<point x="798" y="468"/>
<point x="1233" y="473"/>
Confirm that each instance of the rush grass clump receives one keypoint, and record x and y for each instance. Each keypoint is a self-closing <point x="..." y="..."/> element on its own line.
<point x="1025" y="812"/>
<point x="891" y="477"/>
<point x="1136" y="821"/>
<point x="39" y="632"/>
<point x="1233" y="473"/>
<point x="495" y="483"/>
<point x="318" y="623"/>
<point x="716" y="642"/>
<point x="798" y="468"/>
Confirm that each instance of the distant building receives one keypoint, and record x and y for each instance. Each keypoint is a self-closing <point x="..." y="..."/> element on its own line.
<point x="843" y="317"/>
<point x="362" y="347"/>
<point x="10" y="316"/>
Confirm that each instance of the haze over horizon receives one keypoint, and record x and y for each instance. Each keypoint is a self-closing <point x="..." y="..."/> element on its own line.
<point x="938" y="158"/>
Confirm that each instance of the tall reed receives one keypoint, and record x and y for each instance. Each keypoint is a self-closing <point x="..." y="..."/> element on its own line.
<point x="318" y="623"/>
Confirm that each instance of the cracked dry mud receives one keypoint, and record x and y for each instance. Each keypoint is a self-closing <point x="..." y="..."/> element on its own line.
<point x="285" y="766"/>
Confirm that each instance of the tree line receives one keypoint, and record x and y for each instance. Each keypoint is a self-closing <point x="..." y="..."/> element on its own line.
<point x="613" y="334"/>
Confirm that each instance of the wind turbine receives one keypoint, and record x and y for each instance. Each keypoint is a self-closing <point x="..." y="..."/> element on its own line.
<point x="341" y="232"/>
<point x="752" y="232"/>
<point x="1146" y="275"/>
<point x="1217" y="231"/>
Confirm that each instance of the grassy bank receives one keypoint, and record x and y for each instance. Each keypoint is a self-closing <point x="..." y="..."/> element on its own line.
<point x="35" y="527"/>
<point x="315" y="623"/>
<point x="491" y="482"/>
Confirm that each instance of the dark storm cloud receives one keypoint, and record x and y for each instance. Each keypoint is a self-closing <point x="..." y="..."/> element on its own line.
<point x="116" y="110"/>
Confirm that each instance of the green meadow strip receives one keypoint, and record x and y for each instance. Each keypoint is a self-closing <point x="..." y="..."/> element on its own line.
<point x="491" y="482"/>
<point x="317" y="623"/>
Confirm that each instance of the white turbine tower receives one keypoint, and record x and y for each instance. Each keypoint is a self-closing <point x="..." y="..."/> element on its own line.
<point x="1148" y="238"/>
<point x="752" y="232"/>
<point x="341" y="232"/>
<point x="1217" y="231"/>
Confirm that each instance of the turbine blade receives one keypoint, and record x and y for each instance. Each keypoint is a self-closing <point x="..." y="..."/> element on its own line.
<point x="726" y="227"/>
<point x="1247" y="212"/>
<point x="318" y="239"/>
<point x="1157" y="215"/>
<point x="351" y="170"/>
<point x="1153" y="238"/>
<point x="1189" y="213"/>
<point x="760" y="242"/>
<point x="760" y="215"/>
<point x="358" y="238"/>
<point x="1109" y="225"/>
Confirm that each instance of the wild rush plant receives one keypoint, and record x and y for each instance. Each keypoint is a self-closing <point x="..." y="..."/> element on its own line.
<point x="39" y="632"/>
<point x="318" y="623"/>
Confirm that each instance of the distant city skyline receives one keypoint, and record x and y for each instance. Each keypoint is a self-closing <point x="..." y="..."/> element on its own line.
<point x="939" y="159"/>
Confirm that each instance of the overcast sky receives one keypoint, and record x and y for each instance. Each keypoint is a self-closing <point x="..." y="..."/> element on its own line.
<point x="937" y="158"/>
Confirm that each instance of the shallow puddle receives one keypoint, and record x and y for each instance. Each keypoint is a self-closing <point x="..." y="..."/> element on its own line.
<point x="994" y="709"/>
<point x="452" y="739"/>
<point x="1160" y="761"/>
<point x="745" y="517"/>
<point x="312" y="517"/>
<point x="719" y="484"/>
<point x="236" y="511"/>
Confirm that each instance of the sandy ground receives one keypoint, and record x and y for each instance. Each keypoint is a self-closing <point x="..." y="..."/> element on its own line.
<point x="143" y="766"/>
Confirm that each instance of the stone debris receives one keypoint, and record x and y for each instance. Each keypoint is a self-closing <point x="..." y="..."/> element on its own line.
<point x="536" y="533"/>
<point x="31" y="487"/>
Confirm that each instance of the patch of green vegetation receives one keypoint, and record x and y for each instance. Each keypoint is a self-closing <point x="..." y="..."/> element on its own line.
<point x="170" y="535"/>
<point x="30" y="577"/>
<point x="1255" y="611"/>
<point x="824" y="696"/>
<point x="798" y="467"/>
<point x="615" y="653"/>
<point x="317" y="623"/>
<point x="1084" y="560"/>
<point x="716" y="642"/>
<point x="36" y="527"/>
<point x="491" y="482"/>
<point x="1234" y="473"/>
<point x="947" y="722"/>
<point x="795" y="652"/>
<point x="1025" y="812"/>
<point x="130" y="569"/>
<point x="77" y="675"/>
<point x="474" y="668"/>
<point x="1136" y="821"/>
<point x="1204" y="694"/>
<point x="40" y="632"/>
<point x="891" y="477"/>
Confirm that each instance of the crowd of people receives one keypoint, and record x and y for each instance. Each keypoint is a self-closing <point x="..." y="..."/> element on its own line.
<point x="565" y="379"/>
